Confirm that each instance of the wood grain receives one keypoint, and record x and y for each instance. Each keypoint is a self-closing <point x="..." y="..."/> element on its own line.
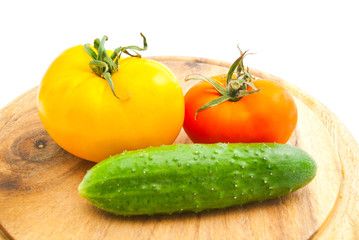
<point x="38" y="182"/>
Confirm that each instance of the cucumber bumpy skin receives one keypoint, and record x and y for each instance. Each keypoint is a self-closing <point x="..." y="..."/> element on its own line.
<point x="195" y="177"/>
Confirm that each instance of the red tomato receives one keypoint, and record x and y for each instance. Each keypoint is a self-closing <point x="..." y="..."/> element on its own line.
<point x="269" y="115"/>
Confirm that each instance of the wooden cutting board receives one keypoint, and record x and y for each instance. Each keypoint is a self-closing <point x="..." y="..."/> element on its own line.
<point x="39" y="199"/>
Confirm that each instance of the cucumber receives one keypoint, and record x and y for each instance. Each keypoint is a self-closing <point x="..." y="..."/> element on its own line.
<point x="195" y="177"/>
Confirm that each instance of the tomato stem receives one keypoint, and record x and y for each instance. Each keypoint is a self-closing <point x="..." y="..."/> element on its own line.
<point x="104" y="65"/>
<point x="238" y="81"/>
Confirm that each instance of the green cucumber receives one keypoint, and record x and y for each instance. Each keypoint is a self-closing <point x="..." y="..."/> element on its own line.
<point x="195" y="177"/>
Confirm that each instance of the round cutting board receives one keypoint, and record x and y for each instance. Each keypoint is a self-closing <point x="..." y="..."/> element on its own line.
<point x="39" y="180"/>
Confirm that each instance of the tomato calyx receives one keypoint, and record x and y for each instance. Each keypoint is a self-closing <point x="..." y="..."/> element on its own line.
<point x="104" y="65"/>
<point x="237" y="83"/>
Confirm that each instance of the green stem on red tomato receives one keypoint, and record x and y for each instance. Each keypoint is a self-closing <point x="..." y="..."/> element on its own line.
<point x="238" y="81"/>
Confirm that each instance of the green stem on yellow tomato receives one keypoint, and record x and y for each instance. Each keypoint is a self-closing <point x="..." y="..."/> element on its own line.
<point x="104" y="65"/>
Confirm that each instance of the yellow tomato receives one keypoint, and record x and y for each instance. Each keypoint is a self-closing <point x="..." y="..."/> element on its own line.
<point x="83" y="116"/>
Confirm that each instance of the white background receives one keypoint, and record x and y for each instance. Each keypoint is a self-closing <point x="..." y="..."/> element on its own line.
<point x="311" y="44"/>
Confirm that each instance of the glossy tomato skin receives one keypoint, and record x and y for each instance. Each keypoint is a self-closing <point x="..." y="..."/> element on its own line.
<point x="81" y="114"/>
<point x="269" y="115"/>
